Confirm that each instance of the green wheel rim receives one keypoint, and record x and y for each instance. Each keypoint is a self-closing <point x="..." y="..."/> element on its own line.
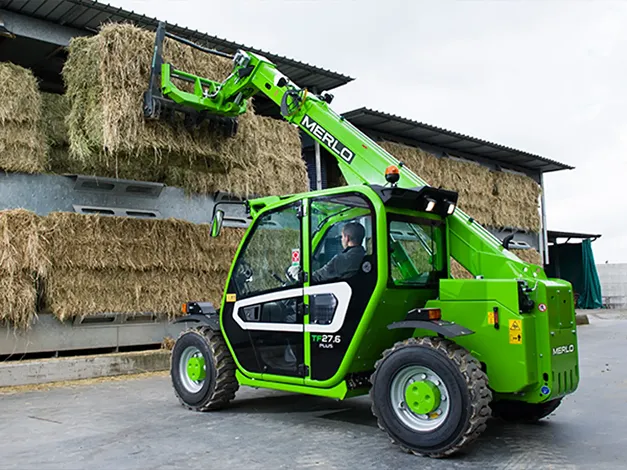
<point x="192" y="369"/>
<point x="419" y="397"/>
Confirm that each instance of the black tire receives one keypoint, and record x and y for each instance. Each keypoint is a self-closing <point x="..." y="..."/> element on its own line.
<point x="220" y="384"/>
<point x="521" y="412"/>
<point x="466" y="384"/>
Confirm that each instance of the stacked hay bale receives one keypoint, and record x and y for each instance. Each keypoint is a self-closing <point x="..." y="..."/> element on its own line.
<point x="495" y="199"/>
<point x="55" y="109"/>
<point x="22" y="263"/>
<point x="22" y="142"/>
<point x="132" y="266"/>
<point x="106" y="76"/>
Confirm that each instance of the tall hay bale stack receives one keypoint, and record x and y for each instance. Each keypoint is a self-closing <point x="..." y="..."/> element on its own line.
<point x="102" y="264"/>
<point x="22" y="142"/>
<point x="493" y="198"/>
<point x="22" y="263"/>
<point x="518" y="197"/>
<point x="473" y="182"/>
<point x="106" y="76"/>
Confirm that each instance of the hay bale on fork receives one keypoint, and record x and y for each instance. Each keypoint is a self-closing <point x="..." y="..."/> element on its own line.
<point x="106" y="76"/>
<point x="22" y="142"/>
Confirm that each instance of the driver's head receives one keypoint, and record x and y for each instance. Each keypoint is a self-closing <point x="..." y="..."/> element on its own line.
<point x="352" y="234"/>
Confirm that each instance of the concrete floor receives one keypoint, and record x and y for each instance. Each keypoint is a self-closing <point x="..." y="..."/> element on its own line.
<point x="138" y="424"/>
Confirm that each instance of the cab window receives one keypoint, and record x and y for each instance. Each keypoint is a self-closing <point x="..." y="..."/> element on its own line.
<point x="416" y="252"/>
<point x="263" y="261"/>
<point x="332" y="218"/>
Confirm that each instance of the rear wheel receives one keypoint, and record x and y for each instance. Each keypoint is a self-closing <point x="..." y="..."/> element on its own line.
<point x="202" y="370"/>
<point x="430" y="396"/>
<point x="521" y="412"/>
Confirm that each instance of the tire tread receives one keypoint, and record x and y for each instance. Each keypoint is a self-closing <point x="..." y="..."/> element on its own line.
<point x="476" y="381"/>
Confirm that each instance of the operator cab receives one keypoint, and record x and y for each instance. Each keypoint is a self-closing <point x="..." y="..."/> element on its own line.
<point x="309" y="268"/>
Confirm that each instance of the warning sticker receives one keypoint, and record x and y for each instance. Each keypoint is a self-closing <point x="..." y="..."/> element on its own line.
<point x="490" y="318"/>
<point x="295" y="257"/>
<point x="515" y="332"/>
<point x="231" y="297"/>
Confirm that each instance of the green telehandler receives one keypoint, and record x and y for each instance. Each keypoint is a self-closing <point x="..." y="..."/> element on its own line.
<point x="347" y="291"/>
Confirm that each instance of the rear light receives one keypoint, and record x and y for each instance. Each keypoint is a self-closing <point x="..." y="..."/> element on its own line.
<point x="425" y="314"/>
<point x="184" y="308"/>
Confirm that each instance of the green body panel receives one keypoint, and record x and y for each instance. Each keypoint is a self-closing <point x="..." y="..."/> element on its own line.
<point x="339" y="391"/>
<point x="539" y="365"/>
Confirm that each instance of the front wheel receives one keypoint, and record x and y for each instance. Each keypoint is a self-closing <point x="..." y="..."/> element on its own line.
<point x="430" y="396"/>
<point x="202" y="370"/>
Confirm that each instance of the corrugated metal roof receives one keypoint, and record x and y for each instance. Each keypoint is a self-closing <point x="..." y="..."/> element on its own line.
<point x="392" y="127"/>
<point x="89" y="15"/>
<point x="553" y="235"/>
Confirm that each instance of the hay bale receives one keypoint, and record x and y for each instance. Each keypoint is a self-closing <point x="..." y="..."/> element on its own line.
<point x="76" y="293"/>
<point x="280" y="168"/>
<point x="532" y="256"/>
<point x="22" y="263"/>
<point x="22" y="142"/>
<point x="106" y="76"/>
<point x="55" y="108"/>
<point x="102" y="264"/>
<point x="494" y="199"/>
<point x="18" y="299"/>
<point x="92" y="242"/>
<point x="20" y="244"/>
<point x="459" y="272"/>
<point x="518" y="198"/>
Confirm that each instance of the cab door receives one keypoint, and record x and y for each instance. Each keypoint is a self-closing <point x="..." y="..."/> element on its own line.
<point x="336" y="298"/>
<point x="264" y="309"/>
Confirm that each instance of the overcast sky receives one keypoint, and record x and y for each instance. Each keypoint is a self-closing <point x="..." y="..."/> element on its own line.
<point x="547" y="77"/>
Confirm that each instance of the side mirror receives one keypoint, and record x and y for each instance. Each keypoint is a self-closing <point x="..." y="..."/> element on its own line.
<point x="216" y="223"/>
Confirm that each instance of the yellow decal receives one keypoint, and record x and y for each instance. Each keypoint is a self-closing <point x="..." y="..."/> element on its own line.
<point x="490" y="318"/>
<point x="515" y="332"/>
<point x="231" y="297"/>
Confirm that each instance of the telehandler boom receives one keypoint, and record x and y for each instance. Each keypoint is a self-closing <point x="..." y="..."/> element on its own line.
<point x="347" y="291"/>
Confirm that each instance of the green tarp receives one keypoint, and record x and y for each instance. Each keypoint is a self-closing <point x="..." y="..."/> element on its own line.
<point x="574" y="262"/>
<point x="590" y="296"/>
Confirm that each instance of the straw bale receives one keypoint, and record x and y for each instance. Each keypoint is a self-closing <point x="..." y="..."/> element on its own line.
<point x="423" y="164"/>
<point x="458" y="271"/>
<point x="20" y="244"/>
<point x="494" y="199"/>
<point x="106" y="76"/>
<point x="280" y="168"/>
<point x="518" y="197"/>
<point x="20" y="100"/>
<point x="79" y="293"/>
<point x="532" y="256"/>
<point x="77" y="241"/>
<point x="22" y="262"/>
<point x="18" y="299"/>
<point x="55" y="109"/>
<point x="22" y="143"/>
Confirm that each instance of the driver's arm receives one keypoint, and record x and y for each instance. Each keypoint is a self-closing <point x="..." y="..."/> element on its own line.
<point x="326" y="272"/>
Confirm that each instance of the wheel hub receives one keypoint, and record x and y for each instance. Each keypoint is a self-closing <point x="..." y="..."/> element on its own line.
<point x="422" y="397"/>
<point x="196" y="368"/>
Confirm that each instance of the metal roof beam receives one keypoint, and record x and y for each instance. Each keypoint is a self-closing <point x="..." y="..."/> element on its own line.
<point x="25" y="26"/>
